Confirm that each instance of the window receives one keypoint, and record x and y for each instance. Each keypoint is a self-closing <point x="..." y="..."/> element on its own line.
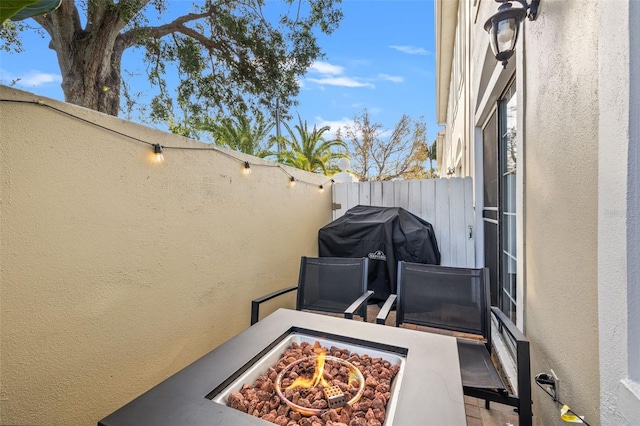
<point x="508" y="160"/>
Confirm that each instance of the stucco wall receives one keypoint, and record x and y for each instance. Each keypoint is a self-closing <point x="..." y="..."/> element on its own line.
<point x="117" y="272"/>
<point x="561" y="204"/>
<point x="618" y="238"/>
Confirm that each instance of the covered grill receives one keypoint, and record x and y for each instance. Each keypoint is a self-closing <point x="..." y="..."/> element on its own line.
<point x="385" y="235"/>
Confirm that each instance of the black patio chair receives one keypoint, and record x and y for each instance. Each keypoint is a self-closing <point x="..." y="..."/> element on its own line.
<point x="457" y="299"/>
<point x="327" y="284"/>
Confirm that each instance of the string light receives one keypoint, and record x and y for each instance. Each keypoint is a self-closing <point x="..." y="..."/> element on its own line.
<point x="158" y="150"/>
<point x="247" y="168"/>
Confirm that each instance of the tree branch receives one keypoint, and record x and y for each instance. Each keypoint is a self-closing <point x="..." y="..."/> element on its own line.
<point x="95" y="13"/>
<point x="207" y="42"/>
<point x="67" y="13"/>
<point x="160" y="31"/>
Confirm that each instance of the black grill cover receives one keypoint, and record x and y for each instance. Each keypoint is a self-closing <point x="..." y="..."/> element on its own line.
<point x="385" y="235"/>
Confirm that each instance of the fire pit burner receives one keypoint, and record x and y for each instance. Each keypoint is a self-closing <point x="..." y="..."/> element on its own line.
<point x="334" y="395"/>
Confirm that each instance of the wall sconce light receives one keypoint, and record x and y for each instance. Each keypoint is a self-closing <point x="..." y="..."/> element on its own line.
<point x="503" y="27"/>
<point x="157" y="150"/>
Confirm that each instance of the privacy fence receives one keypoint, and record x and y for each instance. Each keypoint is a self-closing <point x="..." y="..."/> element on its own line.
<point x="445" y="203"/>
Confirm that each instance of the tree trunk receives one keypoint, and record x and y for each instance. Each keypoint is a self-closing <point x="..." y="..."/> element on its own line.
<point x="89" y="58"/>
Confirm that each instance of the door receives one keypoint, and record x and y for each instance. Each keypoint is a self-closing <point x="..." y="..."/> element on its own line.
<point x="499" y="211"/>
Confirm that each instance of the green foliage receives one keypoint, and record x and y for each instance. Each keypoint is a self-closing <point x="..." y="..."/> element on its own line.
<point x="235" y="62"/>
<point x="308" y="150"/>
<point x="32" y="8"/>
<point x="9" y="8"/>
<point x="241" y="133"/>
<point x="377" y="154"/>
<point x="229" y="58"/>
<point x="432" y="155"/>
<point x="18" y="10"/>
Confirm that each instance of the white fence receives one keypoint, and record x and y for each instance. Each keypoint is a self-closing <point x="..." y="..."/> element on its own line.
<point x="447" y="204"/>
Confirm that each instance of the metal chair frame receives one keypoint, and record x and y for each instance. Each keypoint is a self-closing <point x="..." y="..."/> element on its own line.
<point x="522" y="401"/>
<point x="358" y="306"/>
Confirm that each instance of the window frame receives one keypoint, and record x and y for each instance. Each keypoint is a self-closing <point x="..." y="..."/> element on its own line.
<point x="508" y="209"/>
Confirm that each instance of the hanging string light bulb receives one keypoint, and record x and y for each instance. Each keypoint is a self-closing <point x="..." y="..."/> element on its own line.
<point x="292" y="181"/>
<point x="157" y="150"/>
<point x="321" y="188"/>
<point x="247" y="168"/>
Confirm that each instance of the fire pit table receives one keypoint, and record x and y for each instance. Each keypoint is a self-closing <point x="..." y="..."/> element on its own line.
<point x="427" y="389"/>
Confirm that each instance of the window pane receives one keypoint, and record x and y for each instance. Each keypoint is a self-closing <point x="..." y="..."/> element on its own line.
<point x="492" y="258"/>
<point x="508" y="160"/>
<point x="490" y="158"/>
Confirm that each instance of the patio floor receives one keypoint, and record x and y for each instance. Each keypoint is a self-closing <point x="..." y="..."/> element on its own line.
<point x="477" y="415"/>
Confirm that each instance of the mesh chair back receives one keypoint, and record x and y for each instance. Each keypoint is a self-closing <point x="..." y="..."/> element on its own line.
<point x="444" y="297"/>
<point x="331" y="284"/>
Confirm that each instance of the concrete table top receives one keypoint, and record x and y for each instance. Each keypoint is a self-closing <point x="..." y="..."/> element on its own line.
<point x="430" y="393"/>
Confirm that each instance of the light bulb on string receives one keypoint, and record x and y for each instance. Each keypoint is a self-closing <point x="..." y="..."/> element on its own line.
<point x="321" y="188"/>
<point x="247" y="168"/>
<point x="157" y="150"/>
<point x="292" y="181"/>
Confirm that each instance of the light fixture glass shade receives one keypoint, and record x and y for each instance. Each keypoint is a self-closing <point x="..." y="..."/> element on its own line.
<point x="246" y="169"/>
<point x="507" y="33"/>
<point x="503" y="29"/>
<point x="157" y="153"/>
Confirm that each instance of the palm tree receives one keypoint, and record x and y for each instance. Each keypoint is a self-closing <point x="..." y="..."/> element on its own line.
<point x="308" y="150"/>
<point x="241" y="133"/>
<point x="432" y="156"/>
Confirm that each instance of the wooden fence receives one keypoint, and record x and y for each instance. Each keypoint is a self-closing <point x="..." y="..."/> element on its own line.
<point x="447" y="204"/>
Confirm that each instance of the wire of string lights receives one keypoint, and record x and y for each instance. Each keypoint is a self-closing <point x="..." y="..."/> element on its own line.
<point x="158" y="149"/>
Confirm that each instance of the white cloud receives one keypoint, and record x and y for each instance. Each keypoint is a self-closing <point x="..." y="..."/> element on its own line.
<point x="30" y="79"/>
<point x="411" y="50"/>
<point x="326" y="68"/>
<point x="334" y="125"/>
<point x="36" y="78"/>
<point x="341" y="81"/>
<point x="334" y="75"/>
<point x="393" y="78"/>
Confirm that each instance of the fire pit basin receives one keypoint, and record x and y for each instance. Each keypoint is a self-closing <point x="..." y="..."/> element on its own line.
<point x="256" y="368"/>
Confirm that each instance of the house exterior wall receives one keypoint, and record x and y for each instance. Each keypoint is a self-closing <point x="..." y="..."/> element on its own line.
<point x="618" y="219"/>
<point x="577" y="213"/>
<point x="116" y="272"/>
<point x="454" y="157"/>
<point x="561" y="204"/>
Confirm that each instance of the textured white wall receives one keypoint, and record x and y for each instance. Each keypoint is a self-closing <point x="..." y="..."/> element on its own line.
<point x="116" y="272"/>
<point x="618" y="267"/>
<point x="561" y="204"/>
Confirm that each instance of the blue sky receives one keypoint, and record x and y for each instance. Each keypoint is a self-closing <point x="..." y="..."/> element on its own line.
<point x="380" y="58"/>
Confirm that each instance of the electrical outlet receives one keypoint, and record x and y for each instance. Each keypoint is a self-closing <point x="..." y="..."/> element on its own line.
<point x="556" y="386"/>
